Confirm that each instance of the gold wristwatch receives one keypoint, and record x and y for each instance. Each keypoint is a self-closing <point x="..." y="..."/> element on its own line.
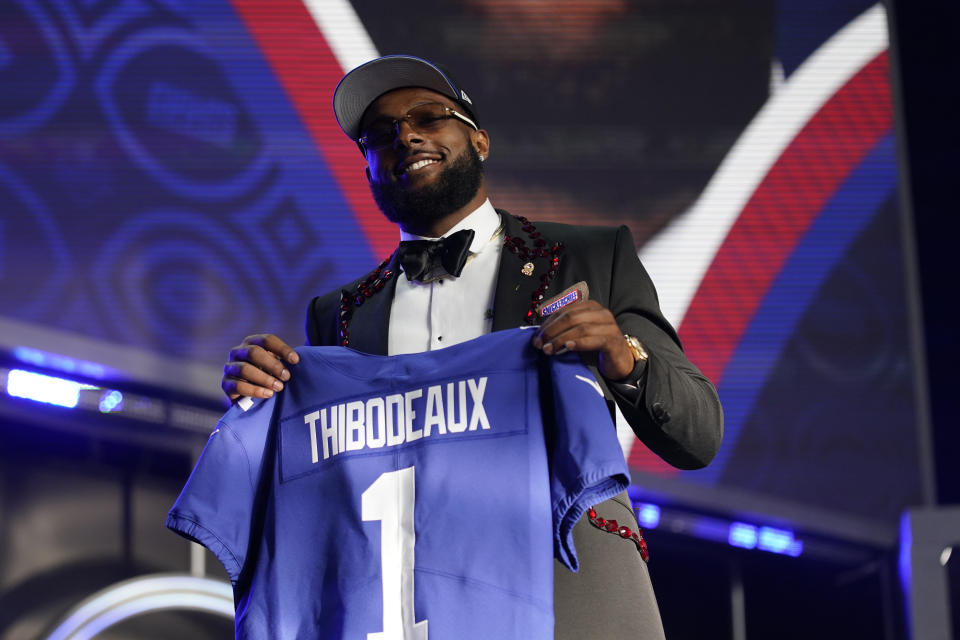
<point x="636" y="348"/>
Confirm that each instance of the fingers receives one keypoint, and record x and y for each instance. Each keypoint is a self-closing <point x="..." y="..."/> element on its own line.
<point x="248" y="373"/>
<point x="587" y="327"/>
<point x="257" y="367"/>
<point x="259" y="358"/>
<point x="234" y="388"/>
<point x="274" y="345"/>
<point x="583" y="337"/>
<point x="583" y="326"/>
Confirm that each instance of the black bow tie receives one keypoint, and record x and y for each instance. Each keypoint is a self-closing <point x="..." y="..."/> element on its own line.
<point x="429" y="260"/>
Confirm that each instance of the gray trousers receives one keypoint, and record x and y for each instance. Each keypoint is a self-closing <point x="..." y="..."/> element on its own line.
<point x="611" y="596"/>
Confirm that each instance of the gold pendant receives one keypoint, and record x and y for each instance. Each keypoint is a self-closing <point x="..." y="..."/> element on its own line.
<point x="527" y="269"/>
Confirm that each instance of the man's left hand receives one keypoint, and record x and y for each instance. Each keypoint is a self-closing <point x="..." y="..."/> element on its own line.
<point x="590" y="327"/>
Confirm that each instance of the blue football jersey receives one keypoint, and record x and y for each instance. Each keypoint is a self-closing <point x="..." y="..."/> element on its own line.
<point x="405" y="497"/>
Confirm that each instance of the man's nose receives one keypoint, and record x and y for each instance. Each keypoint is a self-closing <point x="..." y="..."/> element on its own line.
<point x="405" y="134"/>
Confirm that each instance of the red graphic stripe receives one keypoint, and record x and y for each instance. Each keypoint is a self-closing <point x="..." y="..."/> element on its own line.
<point x="781" y="210"/>
<point x="307" y="69"/>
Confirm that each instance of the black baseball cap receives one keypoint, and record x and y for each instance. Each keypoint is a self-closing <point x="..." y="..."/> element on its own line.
<point x="362" y="86"/>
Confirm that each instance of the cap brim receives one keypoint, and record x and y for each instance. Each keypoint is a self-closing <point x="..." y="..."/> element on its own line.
<point x="359" y="88"/>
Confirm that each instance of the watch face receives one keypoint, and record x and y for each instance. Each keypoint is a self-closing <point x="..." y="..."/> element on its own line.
<point x="639" y="353"/>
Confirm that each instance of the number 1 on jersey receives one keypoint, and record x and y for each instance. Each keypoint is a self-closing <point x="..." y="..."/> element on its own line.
<point x="390" y="499"/>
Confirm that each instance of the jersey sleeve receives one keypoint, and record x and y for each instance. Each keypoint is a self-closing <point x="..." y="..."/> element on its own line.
<point x="587" y="463"/>
<point x="216" y="506"/>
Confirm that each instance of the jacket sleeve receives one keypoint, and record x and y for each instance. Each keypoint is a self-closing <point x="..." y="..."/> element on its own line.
<point x="676" y="412"/>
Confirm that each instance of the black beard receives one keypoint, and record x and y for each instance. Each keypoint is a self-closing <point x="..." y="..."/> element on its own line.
<point x="418" y="209"/>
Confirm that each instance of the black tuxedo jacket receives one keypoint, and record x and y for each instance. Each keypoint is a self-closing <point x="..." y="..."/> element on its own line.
<point x="674" y="411"/>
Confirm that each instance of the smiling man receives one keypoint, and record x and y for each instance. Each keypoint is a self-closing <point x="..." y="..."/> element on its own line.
<point x="464" y="269"/>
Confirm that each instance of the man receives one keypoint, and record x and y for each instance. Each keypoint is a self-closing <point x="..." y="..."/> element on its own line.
<point x="424" y="149"/>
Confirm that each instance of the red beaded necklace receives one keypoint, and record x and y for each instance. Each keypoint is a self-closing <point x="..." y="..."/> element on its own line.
<point x="518" y="247"/>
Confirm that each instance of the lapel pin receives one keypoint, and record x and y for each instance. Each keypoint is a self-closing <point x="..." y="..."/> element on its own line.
<point x="527" y="269"/>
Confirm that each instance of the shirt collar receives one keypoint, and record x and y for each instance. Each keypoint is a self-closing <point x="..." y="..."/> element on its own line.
<point x="484" y="220"/>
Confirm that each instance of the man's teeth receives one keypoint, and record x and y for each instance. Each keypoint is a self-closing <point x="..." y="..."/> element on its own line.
<point x="419" y="164"/>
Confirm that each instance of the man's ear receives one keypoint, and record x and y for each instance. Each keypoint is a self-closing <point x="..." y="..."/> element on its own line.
<point x="481" y="142"/>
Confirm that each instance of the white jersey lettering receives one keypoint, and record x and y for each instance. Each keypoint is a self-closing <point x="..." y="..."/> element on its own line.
<point x="389" y="421"/>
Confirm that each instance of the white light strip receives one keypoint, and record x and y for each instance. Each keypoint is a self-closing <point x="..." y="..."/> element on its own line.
<point x="46" y="389"/>
<point x="343" y="31"/>
<point x="679" y="256"/>
<point x="141" y="595"/>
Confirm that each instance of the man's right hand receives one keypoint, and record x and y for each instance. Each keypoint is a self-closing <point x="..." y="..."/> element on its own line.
<point x="257" y="367"/>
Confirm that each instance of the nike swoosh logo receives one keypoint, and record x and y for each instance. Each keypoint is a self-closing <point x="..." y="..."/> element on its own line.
<point x="593" y="383"/>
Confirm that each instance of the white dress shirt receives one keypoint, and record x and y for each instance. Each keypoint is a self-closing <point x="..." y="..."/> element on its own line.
<point x="433" y="315"/>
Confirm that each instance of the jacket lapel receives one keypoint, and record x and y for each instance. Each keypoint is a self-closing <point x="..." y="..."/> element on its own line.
<point x="515" y="289"/>
<point x="369" y="326"/>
